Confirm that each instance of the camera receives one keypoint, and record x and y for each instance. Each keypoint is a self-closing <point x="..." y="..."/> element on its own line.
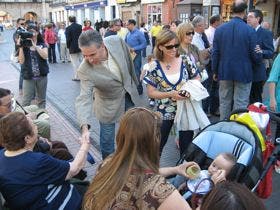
<point x="25" y="37"/>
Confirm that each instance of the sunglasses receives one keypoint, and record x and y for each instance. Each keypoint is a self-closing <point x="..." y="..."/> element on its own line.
<point x="190" y="33"/>
<point x="170" y="47"/>
<point x="22" y="24"/>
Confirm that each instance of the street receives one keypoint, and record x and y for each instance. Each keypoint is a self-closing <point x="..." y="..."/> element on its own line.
<point x="61" y="95"/>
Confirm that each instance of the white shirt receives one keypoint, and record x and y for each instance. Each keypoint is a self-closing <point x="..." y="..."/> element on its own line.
<point x="257" y="27"/>
<point x="61" y="36"/>
<point x="112" y="66"/>
<point x="197" y="41"/>
<point x="210" y="34"/>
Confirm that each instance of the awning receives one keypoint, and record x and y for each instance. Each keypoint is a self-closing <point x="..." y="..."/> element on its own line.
<point x="3" y="13"/>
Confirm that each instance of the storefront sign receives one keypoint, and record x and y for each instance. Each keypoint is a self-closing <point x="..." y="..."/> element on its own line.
<point x="88" y="5"/>
<point x="211" y="2"/>
<point x="151" y="1"/>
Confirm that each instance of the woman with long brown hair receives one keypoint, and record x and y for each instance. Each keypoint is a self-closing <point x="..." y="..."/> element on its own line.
<point x="131" y="178"/>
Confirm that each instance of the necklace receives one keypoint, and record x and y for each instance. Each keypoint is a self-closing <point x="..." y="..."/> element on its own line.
<point x="168" y="66"/>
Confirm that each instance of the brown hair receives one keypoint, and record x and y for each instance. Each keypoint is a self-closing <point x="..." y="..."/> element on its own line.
<point x="182" y="29"/>
<point x="138" y="140"/>
<point x="229" y="157"/>
<point x="162" y="38"/>
<point x="14" y="127"/>
<point x="231" y="196"/>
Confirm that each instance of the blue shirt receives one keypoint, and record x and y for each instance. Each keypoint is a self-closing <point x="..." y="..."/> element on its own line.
<point x="34" y="180"/>
<point x="136" y="40"/>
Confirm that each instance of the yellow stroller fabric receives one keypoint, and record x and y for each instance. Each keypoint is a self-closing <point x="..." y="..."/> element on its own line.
<point x="246" y="119"/>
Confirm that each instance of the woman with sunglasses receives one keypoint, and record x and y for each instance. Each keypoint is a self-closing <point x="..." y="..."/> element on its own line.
<point x="164" y="80"/>
<point x="131" y="178"/>
<point x="185" y="32"/>
<point x="33" y="55"/>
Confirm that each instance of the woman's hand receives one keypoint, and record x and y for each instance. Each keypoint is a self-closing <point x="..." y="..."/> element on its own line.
<point x="181" y="169"/>
<point x="219" y="176"/>
<point x="176" y="95"/>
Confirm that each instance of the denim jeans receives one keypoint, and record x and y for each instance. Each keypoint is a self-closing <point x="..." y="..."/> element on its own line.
<point x="107" y="132"/>
<point x="233" y="95"/>
<point x="51" y="53"/>
<point x="107" y="139"/>
<point x="137" y="68"/>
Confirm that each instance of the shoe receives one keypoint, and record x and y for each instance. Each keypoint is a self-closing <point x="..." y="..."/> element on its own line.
<point x="75" y="79"/>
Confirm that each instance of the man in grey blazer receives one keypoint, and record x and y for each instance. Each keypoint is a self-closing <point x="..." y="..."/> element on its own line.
<point x="106" y="74"/>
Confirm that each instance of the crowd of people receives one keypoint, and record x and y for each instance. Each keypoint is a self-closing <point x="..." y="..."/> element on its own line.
<point x="193" y="74"/>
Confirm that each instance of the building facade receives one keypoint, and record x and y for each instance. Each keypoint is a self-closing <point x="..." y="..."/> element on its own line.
<point x="11" y="10"/>
<point x="84" y="10"/>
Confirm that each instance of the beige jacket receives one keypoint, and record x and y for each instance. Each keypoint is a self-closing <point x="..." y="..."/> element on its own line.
<point x="109" y="90"/>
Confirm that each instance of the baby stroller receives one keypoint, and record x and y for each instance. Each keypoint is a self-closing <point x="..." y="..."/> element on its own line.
<point x="230" y="136"/>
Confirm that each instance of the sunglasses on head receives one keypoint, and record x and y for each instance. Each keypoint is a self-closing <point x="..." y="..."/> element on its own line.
<point x="190" y="33"/>
<point x="170" y="47"/>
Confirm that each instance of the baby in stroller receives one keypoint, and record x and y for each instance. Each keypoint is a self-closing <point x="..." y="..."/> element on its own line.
<point x="201" y="181"/>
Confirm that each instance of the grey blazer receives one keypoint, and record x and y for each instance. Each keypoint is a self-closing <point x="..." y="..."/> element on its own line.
<point x="109" y="91"/>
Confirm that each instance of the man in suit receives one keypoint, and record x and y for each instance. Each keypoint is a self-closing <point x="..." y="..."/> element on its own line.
<point x="234" y="53"/>
<point x="72" y="33"/>
<point x="107" y="70"/>
<point x="265" y="42"/>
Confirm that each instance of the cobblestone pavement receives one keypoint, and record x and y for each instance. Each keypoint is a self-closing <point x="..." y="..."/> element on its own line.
<point x="61" y="94"/>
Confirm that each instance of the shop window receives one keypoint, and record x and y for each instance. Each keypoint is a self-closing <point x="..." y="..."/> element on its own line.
<point x="184" y="17"/>
<point x="154" y="13"/>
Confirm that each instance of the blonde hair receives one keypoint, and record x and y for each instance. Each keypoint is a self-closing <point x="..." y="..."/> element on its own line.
<point x="182" y="29"/>
<point x="138" y="141"/>
<point x="163" y="37"/>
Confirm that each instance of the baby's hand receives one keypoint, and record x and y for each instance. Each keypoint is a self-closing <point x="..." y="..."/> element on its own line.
<point x="219" y="176"/>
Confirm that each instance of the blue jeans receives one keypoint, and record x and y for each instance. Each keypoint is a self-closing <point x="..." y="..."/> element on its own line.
<point x="137" y="68"/>
<point x="107" y="139"/>
<point x="107" y="132"/>
<point x="233" y="95"/>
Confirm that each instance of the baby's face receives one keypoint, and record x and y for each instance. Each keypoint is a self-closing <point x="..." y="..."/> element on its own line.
<point x="220" y="163"/>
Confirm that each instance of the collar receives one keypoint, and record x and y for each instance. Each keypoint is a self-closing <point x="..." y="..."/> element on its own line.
<point x="257" y="28"/>
<point x="198" y="34"/>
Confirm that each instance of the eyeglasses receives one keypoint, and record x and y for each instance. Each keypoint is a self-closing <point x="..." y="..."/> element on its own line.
<point x="22" y="24"/>
<point x="190" y="33"/>
<point x="170" y="47"/>
<point x="11" y="104"/>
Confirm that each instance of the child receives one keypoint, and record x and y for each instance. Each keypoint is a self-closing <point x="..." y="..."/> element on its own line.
<point x="147" y="67"/>
<point x="217" y="172"/>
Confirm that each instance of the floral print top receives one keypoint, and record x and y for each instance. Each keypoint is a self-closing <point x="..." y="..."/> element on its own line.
<point x="156" y="77"/>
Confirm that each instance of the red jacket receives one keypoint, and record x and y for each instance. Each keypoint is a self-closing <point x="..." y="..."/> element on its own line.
<point x="50" y="36"/>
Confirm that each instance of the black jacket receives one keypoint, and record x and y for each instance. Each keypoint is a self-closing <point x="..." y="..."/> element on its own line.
<point x="26" y="66"/>
<point x="72" y="33"/>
